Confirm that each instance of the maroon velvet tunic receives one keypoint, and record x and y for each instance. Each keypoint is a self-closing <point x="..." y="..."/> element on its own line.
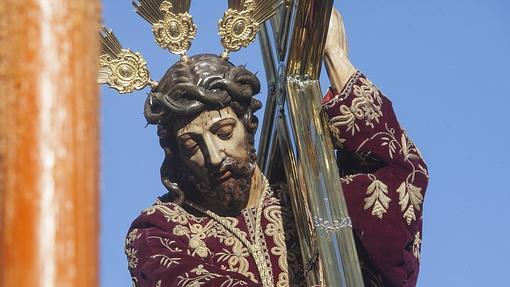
<point x="384" y="180"/>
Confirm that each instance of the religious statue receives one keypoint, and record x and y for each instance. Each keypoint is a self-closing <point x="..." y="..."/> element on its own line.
<point x="222" y="223"/>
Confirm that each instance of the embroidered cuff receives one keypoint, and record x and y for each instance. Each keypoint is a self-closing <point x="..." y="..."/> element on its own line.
<point x="332" y="96"/>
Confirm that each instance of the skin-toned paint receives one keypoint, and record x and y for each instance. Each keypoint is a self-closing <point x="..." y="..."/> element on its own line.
<point x="209" y="138"/>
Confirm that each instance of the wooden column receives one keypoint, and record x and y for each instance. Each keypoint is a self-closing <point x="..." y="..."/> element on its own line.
<point x="49" y="143"/>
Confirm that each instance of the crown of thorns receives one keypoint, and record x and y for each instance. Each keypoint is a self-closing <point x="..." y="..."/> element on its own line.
<point x="173" y="29"/>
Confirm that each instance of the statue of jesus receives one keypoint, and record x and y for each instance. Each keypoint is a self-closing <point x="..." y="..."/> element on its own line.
<point x="223" y="224"/>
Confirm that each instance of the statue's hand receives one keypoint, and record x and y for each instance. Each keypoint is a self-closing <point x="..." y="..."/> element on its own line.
<point x="336" y="39"/>
<point x="337" y="63"/>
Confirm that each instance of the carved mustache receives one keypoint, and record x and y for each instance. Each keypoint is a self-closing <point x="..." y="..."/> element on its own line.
<point x="231" y="167"/>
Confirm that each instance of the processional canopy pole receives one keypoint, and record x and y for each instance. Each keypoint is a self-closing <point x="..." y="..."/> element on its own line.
<point x="49" y="143"/>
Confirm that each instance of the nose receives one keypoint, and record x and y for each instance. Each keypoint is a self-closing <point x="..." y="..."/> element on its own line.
<point x="215" y="152"/>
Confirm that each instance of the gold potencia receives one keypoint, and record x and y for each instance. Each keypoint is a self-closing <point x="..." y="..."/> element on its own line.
<point x="173" y="29"/>
<point x="172" y="25"/>
<point x="242" y="21"/>
<point x="122" y="69"/>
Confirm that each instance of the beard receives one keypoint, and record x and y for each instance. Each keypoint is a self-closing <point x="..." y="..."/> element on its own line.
<point x="225" y="189"/>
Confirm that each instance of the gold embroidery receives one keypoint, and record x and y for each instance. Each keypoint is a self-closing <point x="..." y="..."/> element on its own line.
<point x="130" y="250"/>
<point x="389" y="140"/>
<point x="274" y="228"/>
<point x="200" y="275"/>
<point x="167" y="261"/>
<point x="366" y="105"/>
<point x="253" y="248"/>
<point x="172" y="212"/>
<point x="167" y="243"/>
<point x="410" y="198"/>
<point x="348" y="178"/>
<point x="132" y="236"/>
<point x="236" y="259"/>
<point x="409" y="150"/>
<point x="416" y="245"/>
<point x="134" y="282"/>
<point x="378" y="198"/>
<point x="295" y="275"/>
<point x="196" y="234"/>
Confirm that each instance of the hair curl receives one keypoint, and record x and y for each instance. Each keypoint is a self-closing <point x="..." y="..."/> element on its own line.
<point x="202" y="82"/>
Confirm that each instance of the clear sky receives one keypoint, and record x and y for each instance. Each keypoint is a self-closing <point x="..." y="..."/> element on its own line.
<point x="445" y="66"/>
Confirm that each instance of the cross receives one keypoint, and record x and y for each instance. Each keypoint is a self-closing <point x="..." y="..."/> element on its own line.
<point x="295" y="143"/>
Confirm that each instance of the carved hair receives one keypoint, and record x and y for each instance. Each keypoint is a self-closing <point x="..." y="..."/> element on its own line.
<point x="203" y="82"/>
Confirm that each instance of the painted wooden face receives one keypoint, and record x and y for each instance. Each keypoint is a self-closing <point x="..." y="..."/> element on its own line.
<point x="214" y="148"/>
<point x="210" y="137"/>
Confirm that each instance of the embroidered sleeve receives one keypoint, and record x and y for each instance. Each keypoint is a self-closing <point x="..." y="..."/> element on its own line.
<point x="384" y="179"/>
<point x="158" y="256"/>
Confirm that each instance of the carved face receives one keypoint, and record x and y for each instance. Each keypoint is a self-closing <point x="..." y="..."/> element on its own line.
<point x="213" y="148"/>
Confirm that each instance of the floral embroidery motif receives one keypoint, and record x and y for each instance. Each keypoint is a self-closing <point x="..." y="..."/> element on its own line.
<point x="362" y="101"/>
<point x="130" y="250"/>
<point x="192" y="228"/>
<point x="366" y="105"/>
<point x="196" y="234"/>
<point x="164" y="260"/>
<point x="347" y="179"/>
<point x="378" y="197"/>
<point x="172" y="213"/>
<point x="201" y="276"/>
<point x="410" y="198"/>
<point x="219" y="246"/>
<point x="237" y="258"/>
<point x="167" y="261"/>
<point x="416" y="245"/>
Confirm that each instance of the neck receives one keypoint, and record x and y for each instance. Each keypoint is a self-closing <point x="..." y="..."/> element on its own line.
<point x="256" y="189"/>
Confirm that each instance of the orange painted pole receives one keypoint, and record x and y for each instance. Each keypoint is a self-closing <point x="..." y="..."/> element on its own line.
<point x="49" y="143"/>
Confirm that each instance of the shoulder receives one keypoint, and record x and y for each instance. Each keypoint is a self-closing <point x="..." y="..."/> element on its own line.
<point x="164" y="215"/>
<point x="156" y="230"/>
<point x="161" y="221"/>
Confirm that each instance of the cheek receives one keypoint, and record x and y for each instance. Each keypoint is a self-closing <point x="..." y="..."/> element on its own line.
<point x="237" y="144"/>
<point x="195" y="162"/>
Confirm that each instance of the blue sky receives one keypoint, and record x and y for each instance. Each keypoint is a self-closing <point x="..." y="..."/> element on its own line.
<point x="445" y="66"/>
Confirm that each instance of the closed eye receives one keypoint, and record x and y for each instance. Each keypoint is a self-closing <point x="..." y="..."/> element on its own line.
<point x="189" y="147"/>
<point x="225" y="132"/>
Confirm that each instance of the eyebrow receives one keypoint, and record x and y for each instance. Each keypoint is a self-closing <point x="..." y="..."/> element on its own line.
<point x="217" y="125"/>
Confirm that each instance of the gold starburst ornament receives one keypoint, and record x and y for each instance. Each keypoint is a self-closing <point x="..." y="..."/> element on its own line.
<point x="241" y="22"/>
<point x="174" y="30"/>
<point x="122" y="69"/>
<point x="172" y="25"/>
